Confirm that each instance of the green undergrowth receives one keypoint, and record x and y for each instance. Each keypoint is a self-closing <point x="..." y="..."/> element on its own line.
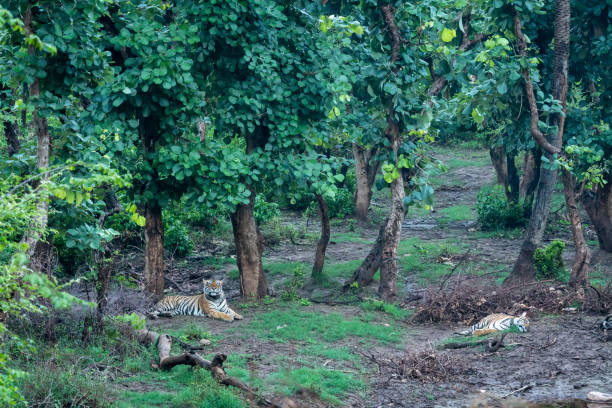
<point x="375" y="305"/>
<point x="110" y="369"/>
<point x="313" y="327"/>
<point x="422" y="258"/>
<point x="455" y="213"/>
<point x="353" y="237"/>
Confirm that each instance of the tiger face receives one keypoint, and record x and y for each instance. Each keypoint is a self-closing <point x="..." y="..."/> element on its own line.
<point x="523" y="323"/>
<point x="213" y="289"/>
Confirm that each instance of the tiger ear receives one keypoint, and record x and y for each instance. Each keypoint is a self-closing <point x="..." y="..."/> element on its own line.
<point x="220" y="282"/>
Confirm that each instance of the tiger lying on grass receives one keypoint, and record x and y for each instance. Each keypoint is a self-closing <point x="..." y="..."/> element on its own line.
<point x="211" y="303"/>
<point x="498" y="322"/>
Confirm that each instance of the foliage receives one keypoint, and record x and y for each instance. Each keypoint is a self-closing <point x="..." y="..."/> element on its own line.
<point x="393" y="310"/>
<point x="549" y="261"/>
<point x="176" y="236"/>
<point x="265" y="211"/>
<point x="295" y="284"/>
<point x="340" y="206"/>
<point x="494" y="212"/>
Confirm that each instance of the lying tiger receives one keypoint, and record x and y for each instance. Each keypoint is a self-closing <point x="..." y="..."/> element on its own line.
<point x="498" y="322"/>
<point x="211" y="303"/>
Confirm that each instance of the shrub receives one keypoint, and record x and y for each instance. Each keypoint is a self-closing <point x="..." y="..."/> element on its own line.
<point x="549" y="261"/>
<point x="265" y="211"/>
<point x="494" y="212"/>
<point x="176" y="236"/>
<point x="341" y="206"/>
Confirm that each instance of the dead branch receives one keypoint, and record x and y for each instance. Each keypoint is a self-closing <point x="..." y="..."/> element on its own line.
<point x="463" y="258"/>
<point x="495" y="344"/>
<point x="524" y="388"/>
<point x="466" y="344"/>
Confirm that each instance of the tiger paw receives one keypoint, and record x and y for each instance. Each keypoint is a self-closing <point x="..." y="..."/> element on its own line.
<point x="237" y="316"/>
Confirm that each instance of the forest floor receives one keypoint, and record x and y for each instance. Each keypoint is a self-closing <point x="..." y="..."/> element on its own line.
<point x="326" y="348"/>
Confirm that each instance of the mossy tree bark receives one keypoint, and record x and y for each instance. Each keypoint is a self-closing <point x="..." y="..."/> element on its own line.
<point x="366" y="168"/>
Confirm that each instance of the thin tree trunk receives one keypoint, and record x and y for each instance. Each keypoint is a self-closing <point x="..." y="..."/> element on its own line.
<point x="247" y="237"/>
<point x="392" y="231"/>
<point x="317" y="269"/>
<point x="512" y="188"/>
<point x="365" y="171"/>
<point x="154" y="251"/>
<point x="582" y="260"/>
<point x="364" y="275"/>
<point x="524" y="268"/>
<point x="598" y="204"/>
<point x="249" y="249"/>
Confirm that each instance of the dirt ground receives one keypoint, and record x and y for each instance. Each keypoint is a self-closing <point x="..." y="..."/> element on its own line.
<point x="561" y="359"/>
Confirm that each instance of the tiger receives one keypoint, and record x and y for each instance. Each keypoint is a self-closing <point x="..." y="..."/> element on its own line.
<point x="211" y="303"/>
<point x="498" y="322"/>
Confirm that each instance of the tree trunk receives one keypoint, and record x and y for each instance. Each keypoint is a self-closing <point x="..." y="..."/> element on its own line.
<point x="317" y="269"/>
<point x="364" y="275"/>
<point x="391" y="234"/>
<point x="11" y="131"/>
<point x="582" y="260"/>
<point x="529" y="179"/>
<point x="249" y="249"/>
<point x="247" y="237"/>
<point x="512" y="188"/>
<point x="365" y="171"/>
<point x="154" y="251"/>
<point x="524" y="268"/>
<point x="498" y="159"/>
<point x="597" y="204"/>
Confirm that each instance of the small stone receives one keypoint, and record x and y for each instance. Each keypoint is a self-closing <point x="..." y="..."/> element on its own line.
<point x="599" y="396"/>
<point x="205" y="342"/>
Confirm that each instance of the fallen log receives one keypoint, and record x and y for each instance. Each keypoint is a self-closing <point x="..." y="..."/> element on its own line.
<point x="167" y="362"/>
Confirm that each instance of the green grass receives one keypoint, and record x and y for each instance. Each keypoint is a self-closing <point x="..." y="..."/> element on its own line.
<point x="455" y="213"/>
<point x="294" y="324"/>
<point x="330" y="353"/>
<point x="515" y="233"/>
<point x="354" y="237"/>
<point x="331" y="385"/>
<point x="217" y="262"/>
<point x="375" y="305"/>
<point x="420" y="258"/>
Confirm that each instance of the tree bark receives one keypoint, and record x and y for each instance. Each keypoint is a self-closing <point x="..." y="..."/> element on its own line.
<point x="498" y="159"/>
<point x="11" y="132"/>
<point x="317" y="269"/>
<point x="582" y="259"/>
<point x="512" y="188"/>
<point x="524" y="268"/>
<point x="529" y="179"/>
<point x="393" y="228"/>
<point x="364" y="275"/>
<point x="154" y="251"/>
<point x="247" y="237"/>
<point x="597" y="204"/>
<point x="365" y="171"/>
<point x="249" y="249"/>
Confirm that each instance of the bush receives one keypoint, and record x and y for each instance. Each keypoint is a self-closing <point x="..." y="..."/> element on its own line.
<point x="176" y="236"/>
<point x="341" y="206"/>
<point x="265" y="211"/>
<point x="549" y="261"/>
<point x="494" y="212"/>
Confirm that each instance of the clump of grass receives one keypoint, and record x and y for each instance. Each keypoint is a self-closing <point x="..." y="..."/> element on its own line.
<point x="375" y="305"/>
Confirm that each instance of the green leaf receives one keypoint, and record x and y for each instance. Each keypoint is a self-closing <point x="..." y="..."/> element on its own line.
<point x="448" y="35"/>
<point x="502" y="88"/>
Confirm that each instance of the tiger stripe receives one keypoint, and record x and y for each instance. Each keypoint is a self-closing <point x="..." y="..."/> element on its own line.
<point x="498" y="322"/>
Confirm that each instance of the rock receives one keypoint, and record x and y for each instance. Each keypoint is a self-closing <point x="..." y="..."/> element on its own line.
<point x="595" y="396"/>
<point x="205" y="342"/>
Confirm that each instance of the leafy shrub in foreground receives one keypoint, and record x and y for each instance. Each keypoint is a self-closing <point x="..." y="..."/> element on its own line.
<point x="176" y="236"/>
<point x="549" y="261"/>
<point x="265" y="211"/>
<point x="339" y="207"/>
<point x="494" y="212"/>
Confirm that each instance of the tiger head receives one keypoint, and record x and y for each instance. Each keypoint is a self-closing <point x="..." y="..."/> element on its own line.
<point x="213" y="289"/>
<point x="522" y="322"/>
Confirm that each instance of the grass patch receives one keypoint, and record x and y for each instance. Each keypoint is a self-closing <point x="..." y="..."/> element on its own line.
<point x="294" y="324"/>
<point x="217" y="262"/>
<point x="375" y="305"/>
<point x="330" y="385"/>
<point x="515" y="233"/>
<point x="330" y="353"/>
<point x="455" y="213"/>
<point x="354" y="237"/>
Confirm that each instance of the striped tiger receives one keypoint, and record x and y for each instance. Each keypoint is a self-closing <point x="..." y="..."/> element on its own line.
<point x="498" y="322"/>
<point x="211" y="303"/>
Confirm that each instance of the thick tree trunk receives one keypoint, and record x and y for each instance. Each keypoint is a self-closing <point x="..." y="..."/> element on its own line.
<point x="582" y="260"/>
<point x="524" y="268"/>
<point x="365" y="171"/>
<point x="391" y="234"/>
<point x="597" y="204"/>
<point x="154" y="251"/>
<point x="498" y="159"/>
<point x="531" y="171"/>
<point x="249" y="249"/>
<point x="11" y="132"/>
<point x="317" y="269"/>
<point x="247" y="237"/>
